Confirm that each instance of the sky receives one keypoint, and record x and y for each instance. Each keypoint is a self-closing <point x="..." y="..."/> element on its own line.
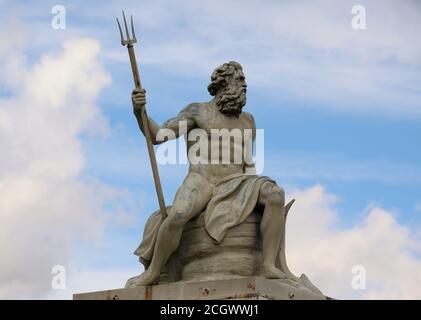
<point x="340" y="108"/>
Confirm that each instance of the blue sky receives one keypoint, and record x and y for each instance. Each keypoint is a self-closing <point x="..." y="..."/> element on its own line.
<point x="341" y="108"/>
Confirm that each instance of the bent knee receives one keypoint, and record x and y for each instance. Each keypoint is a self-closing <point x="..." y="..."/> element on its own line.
<point x="276" y="198"/>
<point x="177" y="219"/>
<point x="271" y="194"/>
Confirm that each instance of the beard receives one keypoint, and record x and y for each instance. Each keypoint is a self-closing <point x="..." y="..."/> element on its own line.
<point x="231" y="102"/>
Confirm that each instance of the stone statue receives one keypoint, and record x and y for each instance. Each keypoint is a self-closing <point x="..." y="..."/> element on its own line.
<point x="224" y="194"/>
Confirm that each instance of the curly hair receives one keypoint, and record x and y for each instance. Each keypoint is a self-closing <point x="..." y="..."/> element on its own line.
<point x="219" y="75"/>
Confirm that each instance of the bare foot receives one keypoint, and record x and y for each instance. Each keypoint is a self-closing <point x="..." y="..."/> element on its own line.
<point x="145" y="279"/>
<point x="271" y="272"/>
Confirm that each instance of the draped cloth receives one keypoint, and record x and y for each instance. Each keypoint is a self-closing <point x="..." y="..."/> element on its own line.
<point x="233" y="200"/>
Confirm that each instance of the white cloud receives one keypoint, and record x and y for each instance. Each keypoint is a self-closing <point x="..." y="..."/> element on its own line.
<point x="45" y="206"/>
<point x="307" y="51"/>
<point x="388" y="250"/>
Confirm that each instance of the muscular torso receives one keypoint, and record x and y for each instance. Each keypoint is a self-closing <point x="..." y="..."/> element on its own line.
<point x="215" y="164"/>
<point x="198" y="123"/>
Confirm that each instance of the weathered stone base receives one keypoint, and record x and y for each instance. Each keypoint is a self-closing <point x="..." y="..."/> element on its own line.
<point x="249" y="288"/>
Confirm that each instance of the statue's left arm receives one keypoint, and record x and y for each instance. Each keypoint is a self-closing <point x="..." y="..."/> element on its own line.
<point x="249" y="165"/>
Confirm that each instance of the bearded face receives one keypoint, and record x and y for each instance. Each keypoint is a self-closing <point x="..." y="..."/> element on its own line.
<point x="231" y="100"/>
<point x="228" y="85"/>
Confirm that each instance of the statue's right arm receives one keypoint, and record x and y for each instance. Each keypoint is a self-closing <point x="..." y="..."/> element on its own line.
<point x="170" y="129"/>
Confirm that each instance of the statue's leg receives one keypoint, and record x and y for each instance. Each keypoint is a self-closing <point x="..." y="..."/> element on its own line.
<point x="272" y="198"/>
<point x="190" y="199"/>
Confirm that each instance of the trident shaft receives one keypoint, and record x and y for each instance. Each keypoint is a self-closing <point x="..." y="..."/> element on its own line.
<point x="128" y="42"/>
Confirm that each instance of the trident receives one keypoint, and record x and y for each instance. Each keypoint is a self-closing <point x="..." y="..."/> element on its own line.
<point x="144" y="117"/>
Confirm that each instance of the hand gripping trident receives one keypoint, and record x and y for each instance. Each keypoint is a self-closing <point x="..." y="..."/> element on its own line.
<point x="144" y="117"/>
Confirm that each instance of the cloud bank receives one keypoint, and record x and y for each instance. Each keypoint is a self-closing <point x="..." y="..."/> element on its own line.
<point x="306" y="51"/>
<point x="46" y="206"/>
<point x="389" y="252"/>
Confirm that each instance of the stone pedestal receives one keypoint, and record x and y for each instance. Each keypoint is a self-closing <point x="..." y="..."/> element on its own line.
<point x="245" y="288"/>
<point x="239" y="254"/>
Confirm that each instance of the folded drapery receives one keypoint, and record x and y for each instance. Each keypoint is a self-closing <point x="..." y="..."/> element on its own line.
<point x="233" y="200"/>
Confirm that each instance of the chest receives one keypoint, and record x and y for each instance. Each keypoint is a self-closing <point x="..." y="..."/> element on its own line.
<point x="215" y="120"/>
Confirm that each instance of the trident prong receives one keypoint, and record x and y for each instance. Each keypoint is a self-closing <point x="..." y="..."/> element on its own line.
<point x="121" y="32"/>
<point x="133" y="34"/>
<point x="129" y="40"/>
